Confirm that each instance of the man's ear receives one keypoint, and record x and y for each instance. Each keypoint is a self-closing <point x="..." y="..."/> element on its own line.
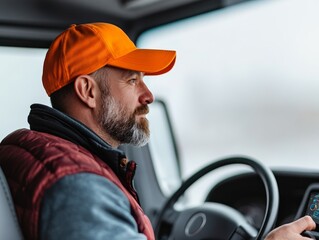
<point x="86" y="88"/>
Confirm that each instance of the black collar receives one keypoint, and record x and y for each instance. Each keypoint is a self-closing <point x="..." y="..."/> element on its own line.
<point x="46" y="119"/>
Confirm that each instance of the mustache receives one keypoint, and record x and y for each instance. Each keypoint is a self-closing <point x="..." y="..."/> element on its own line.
<point x="141" y="110"/>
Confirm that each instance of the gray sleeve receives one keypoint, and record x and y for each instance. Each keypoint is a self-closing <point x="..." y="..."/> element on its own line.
<point x="86" y="206"/>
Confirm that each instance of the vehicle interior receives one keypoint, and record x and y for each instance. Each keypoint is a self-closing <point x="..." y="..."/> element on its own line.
<point x="234" y="128"/>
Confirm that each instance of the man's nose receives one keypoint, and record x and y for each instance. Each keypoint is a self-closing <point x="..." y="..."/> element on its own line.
<point x="146" y="97"/>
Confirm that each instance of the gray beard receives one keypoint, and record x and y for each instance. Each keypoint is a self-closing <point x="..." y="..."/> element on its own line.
<point x="121" y="125"/>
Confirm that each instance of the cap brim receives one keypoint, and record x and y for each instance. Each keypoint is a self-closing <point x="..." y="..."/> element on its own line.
<point x="149" y="61"/>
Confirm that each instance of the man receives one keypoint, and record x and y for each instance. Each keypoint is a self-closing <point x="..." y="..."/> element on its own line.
<point x="67" y="177"/>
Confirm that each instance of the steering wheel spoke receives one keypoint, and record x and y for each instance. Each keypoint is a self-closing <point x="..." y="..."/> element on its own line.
<point x="198" y="222"/>
<point x="168" y="221"/>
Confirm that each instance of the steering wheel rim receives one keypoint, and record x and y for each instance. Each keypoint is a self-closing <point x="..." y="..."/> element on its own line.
<point x="266" y="175"/>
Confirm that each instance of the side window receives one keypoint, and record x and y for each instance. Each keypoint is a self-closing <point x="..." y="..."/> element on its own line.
<point x="21" y="86"/>
<point x="163" y="148"/>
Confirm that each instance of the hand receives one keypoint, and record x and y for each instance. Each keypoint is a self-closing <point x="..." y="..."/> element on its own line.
<point x="292" y="230"/>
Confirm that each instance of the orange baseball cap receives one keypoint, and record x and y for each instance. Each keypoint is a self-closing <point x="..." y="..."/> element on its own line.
<point x="84" y="48"/>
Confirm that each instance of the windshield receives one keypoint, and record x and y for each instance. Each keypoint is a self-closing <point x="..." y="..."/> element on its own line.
<point x="246" y="81"/>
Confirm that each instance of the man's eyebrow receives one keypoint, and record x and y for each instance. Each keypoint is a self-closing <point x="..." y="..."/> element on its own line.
<point x="128" y="73"/>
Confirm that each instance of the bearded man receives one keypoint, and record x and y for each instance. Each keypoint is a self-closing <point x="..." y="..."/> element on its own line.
<point x="66" y="175"/>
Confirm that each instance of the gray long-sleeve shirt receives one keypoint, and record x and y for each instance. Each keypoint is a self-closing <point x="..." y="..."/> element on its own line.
<point x="87" y="206"/>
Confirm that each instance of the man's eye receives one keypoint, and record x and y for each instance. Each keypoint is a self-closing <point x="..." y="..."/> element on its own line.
<point x="132" y="81"/>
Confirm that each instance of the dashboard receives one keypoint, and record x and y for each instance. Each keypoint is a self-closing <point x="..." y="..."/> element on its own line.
<point x="245" y="192"/>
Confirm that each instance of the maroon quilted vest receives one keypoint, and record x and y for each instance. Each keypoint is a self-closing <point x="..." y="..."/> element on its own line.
<point x="33" y="161"/>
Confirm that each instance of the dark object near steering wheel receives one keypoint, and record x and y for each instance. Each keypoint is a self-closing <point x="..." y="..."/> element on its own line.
<point x="215" y="220"/>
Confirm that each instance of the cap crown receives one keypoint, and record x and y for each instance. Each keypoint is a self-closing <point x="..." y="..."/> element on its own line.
<point x="82" y="49"/>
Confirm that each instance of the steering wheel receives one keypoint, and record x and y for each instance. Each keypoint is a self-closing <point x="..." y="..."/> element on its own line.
<point x="215" y="220"/>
